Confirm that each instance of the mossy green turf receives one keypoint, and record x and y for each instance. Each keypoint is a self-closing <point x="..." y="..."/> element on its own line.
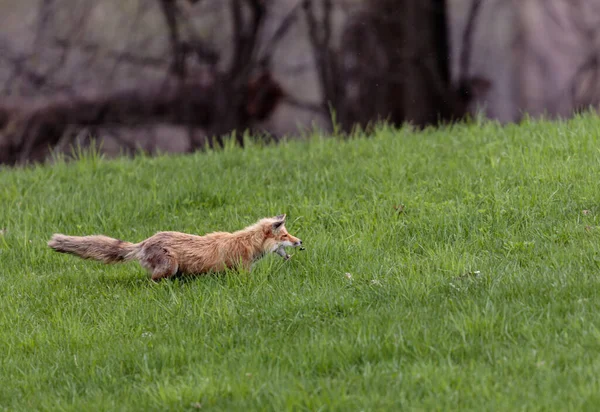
<point x="414" y="327"/>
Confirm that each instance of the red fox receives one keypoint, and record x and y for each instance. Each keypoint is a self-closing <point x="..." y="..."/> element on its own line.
<point x="168" y="253"/>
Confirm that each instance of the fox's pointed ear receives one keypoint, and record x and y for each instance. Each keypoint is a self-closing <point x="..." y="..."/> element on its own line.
<point x="278" y="224"/>
<point x="279" y="221"/>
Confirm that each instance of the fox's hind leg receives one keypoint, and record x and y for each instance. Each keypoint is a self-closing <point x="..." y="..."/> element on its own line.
<point x="159" y="261"/>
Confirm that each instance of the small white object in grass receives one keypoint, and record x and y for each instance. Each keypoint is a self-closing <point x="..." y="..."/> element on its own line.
<point x="146" y="334"/>
<point x="375" y="282"/>
<point x="348" y="275"/>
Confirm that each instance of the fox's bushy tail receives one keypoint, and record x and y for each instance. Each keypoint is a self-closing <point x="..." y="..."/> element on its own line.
<point x="97" y="247"/>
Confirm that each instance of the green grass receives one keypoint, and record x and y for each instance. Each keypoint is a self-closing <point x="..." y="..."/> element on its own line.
<point x="415" y="327"/>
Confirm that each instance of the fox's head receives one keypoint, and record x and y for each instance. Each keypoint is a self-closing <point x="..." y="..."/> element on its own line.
<point x="276" y="235"/>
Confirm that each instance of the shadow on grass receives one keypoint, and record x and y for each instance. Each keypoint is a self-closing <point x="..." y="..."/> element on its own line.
<point x="141" y="278"/>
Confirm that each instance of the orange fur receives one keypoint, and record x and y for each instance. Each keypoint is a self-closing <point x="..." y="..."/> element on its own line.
<point x="168" y="253"/>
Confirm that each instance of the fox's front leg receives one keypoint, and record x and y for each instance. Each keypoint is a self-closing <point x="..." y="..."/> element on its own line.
<point x="281" y="252"/>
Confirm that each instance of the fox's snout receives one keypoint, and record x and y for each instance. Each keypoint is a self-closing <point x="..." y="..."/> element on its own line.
<point x="298" y="244"/>
<point x="294" y="241"/>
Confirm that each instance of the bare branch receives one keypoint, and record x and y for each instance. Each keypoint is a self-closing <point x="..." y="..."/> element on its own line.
<point x="169" y="9"/>
<point x="245" y="38"/>
<point x="467" y="45"/>
<point x="235" y="8"/>
<point x="284" y="26"/>
<point x="44" y="16"/>
<point x="20" y="68"/>
<point x="319" y="36"/>
<point x="125" y="56"/>
<point x="204" y="52"/>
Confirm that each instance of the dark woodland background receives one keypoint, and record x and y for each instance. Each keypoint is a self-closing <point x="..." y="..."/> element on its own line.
<point x="180" y="75"/>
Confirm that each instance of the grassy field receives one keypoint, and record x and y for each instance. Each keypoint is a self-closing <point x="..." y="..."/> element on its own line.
<point x="473" y="257"/>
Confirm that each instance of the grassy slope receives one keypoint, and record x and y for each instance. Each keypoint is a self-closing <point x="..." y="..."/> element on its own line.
<point x="409" y="329"/>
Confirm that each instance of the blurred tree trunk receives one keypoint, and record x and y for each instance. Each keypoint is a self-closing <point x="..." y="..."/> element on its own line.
<point x="412" y="78"/>
<point x="420" y="56"/>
